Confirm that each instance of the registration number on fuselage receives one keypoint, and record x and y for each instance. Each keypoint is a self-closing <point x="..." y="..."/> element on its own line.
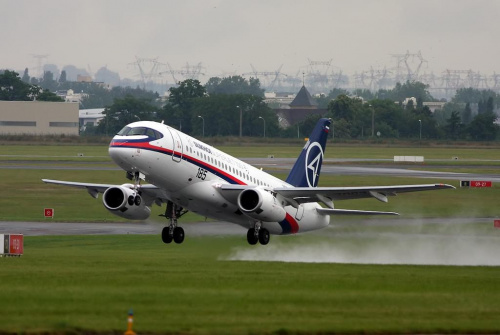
<point x="202" y="174"/>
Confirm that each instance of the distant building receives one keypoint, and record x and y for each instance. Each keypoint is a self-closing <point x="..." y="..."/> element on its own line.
<point x="90" y="117"/>
<point x="83" y="79"/>
<point x="433" y="106"/>
<point x="38" y="118"/>
<point x="71" y="96"/>
<point x="278" y="100"/>
<point x="299" y="109"/>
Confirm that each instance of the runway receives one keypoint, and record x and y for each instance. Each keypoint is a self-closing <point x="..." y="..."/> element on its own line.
<point x="137" y="228"/>
<point x="340" y="166"/>
<point x="214" y="228"/>
<point x="387" y="167"/>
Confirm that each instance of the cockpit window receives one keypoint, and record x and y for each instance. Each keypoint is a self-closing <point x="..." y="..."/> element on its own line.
<point x="137" y="131"/>
<point x="124" y="131"/>
<point x="151" y="133"/>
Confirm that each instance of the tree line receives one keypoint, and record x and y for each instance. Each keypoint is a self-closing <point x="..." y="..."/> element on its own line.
<point x="214" y="109"/>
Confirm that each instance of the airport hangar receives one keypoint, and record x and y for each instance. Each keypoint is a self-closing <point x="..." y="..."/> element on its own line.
<point x="39" y="118"/>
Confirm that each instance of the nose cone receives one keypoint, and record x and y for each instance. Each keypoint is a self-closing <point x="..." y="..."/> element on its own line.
<point x="120" y="153"/>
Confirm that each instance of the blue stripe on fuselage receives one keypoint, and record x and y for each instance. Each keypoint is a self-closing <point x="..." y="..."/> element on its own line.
<point x="145" y="145"/>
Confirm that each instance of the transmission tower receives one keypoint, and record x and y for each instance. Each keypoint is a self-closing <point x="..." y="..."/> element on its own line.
<point x="372" y="79"/>
<point x="408" y="66"/>
<point x="39" y="68"/>
<point x="148" y="69"/>
<point x="494" y="82"/>
<point x="188" y="72"/>
<point x="267" y="79"/>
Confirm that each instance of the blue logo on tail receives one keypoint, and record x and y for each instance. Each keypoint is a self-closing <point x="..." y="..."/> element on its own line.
<point x="314" y="159"/>
<point x="305" y="172"/>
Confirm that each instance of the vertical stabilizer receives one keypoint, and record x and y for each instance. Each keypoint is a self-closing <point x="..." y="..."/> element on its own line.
<point x="305" y="172"/>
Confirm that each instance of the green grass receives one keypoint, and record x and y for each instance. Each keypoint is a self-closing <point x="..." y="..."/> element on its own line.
<point x="334" y="150"/>
<point x="28" y="196"/>
<point x="74" y="283"/>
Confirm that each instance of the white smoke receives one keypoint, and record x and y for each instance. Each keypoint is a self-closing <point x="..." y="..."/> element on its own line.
<point x="446" y="245"/>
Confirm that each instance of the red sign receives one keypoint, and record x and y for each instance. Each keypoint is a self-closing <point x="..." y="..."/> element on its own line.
<point x="496" y="223"/>
<point x="48" y="212"/>
<point x="480" y="183"/>
<point x="16" y="244"/>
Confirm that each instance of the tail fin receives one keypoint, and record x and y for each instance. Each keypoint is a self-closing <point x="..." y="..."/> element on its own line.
<point x="305" y="172"/>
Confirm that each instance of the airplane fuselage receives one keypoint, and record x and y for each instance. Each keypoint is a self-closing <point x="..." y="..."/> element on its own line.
<point x="190" y="172"/>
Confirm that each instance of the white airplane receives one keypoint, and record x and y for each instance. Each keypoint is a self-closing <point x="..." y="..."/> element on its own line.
<point x="189" y="175"/>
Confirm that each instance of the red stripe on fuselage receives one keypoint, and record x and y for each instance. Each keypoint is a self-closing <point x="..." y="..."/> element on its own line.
<point x="148" y="146"/>
<point x="293" y="223"/>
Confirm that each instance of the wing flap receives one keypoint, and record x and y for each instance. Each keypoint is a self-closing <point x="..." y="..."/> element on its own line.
<point x="314" y="194"/>
<point x="331" y="211"/>
<point x="149" y="192"/>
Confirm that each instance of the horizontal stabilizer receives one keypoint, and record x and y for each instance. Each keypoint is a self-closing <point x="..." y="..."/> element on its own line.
<point x="331" y="211"/>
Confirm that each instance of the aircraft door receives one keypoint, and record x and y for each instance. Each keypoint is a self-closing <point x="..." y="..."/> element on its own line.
<point x="177" y="147"/>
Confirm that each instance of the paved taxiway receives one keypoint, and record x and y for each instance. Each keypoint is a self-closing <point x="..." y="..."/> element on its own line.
<point x="284" y="165"/>
<point x="209" y="228"/>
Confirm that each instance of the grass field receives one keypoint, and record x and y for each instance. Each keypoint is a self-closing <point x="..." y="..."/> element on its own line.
<point x="87" y="284"/>
<point x="30" y="196"/>
<point x="334" y="150"/>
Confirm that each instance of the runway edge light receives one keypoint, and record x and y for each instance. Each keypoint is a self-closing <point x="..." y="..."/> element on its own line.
<point x="130" y="322"/>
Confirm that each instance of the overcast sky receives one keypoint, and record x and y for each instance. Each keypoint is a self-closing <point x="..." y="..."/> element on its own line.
<point x="229" y="35"/>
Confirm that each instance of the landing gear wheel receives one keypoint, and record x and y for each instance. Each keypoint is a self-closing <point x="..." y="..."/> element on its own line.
<point x="165" y="235"/>
<point x="137" y="200"/>
<point x="178" y="235"/>
<point x="251" y="238"/>
<point x="264" y="236"/>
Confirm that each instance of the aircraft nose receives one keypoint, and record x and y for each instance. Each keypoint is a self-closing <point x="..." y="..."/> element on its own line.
<point x="117" y="150"/>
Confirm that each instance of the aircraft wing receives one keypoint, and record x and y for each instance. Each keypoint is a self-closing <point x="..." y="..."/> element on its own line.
<point x="149" y="192"/>
<point x="329" y="194"/>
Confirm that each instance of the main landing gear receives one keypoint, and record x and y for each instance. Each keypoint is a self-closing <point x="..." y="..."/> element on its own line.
<point x="172" y="232"/>
<point x="258" y="234"/>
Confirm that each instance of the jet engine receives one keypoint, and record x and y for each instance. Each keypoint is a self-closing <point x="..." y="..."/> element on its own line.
<point x="261" y="205"/>
<point x="125" y="202"/>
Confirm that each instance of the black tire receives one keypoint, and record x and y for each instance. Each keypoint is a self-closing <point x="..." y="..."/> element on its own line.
<point x="251" y="238"/>
<point x="178" y="235"/>
<point x="137" y="200"/>
<point x="165" y="235"/>
<point x="131" y="200"/>
<point x="264" y="236"/>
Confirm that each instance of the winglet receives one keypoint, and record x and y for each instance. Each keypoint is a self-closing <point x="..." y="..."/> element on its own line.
<point x="305" y="172"/>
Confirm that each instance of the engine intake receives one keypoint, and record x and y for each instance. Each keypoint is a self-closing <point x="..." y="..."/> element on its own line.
<point x="261" y="205"/>
<point x="125" y="202"/>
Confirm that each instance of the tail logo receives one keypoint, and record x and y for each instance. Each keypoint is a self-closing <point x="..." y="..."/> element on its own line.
<point x="314" y="158"/>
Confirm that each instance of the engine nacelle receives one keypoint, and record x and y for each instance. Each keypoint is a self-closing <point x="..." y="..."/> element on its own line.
<point x="125" y="202"/>
<point x="261" y="205"/>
